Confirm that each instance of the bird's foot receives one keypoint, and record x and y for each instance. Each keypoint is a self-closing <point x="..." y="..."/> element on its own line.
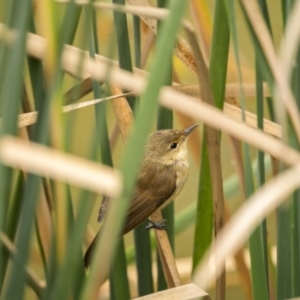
<point x="157" y="225"/>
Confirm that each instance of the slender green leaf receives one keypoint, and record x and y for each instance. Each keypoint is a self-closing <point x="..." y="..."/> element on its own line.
<point x="165" y="121"/>
<point x="261" y="165"/>
<point x="217" y="70"/>
<point x="71" y="268"/>
<point x="143" y="259"/>
<point x="284" y="251"/>
<point x="121" y="28"/>
<point x="142" y="236"/>
<point x="256" y="244"/>
<point x="295" y="205"/>
<point x="287" y="255"/>
<point x="295" y="246"/>
<point x="286" y="6"/>
<point x="204" y="215"/>
<point x="15" y="287"/>
<point x="10" y="95"/>
<point x="36" y="72"/>
<point x="119" y="286"/>
<point x="219" y="53"/>
<point x="118" y="278"/>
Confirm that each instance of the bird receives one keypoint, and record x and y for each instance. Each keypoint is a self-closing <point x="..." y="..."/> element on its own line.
<point x="162" y="175"/>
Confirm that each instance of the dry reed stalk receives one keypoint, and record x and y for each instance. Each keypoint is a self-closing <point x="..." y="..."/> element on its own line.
<point x="44" y="161"/>
<point x="238" y="229"/>
<point x="283" y="94"/>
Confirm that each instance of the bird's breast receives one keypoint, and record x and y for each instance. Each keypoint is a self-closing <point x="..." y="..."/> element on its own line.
<point x="182" y="171"/>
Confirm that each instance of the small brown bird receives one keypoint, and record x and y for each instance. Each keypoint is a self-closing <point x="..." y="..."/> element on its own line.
<point x="163" y="172"/>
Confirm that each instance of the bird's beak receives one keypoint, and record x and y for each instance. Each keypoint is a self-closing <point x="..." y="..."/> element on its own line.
<point x="190" y="129"/>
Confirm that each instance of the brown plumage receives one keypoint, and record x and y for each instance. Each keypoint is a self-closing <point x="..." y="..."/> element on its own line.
<point x="163" y="173"/>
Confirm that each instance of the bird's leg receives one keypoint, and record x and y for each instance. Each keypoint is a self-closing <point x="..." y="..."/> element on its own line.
<point x="157" y="225"/>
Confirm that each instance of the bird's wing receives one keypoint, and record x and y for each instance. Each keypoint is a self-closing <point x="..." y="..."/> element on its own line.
<point x="154" y="188"/>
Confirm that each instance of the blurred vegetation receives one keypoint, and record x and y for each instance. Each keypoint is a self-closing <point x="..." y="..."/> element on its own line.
<point x="48" y="218"/>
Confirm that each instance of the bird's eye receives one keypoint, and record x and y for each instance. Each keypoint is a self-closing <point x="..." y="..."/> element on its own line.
<point x="173" y="145"/>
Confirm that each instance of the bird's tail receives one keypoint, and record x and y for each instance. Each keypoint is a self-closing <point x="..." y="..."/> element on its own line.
<point x="89" y="253"/>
